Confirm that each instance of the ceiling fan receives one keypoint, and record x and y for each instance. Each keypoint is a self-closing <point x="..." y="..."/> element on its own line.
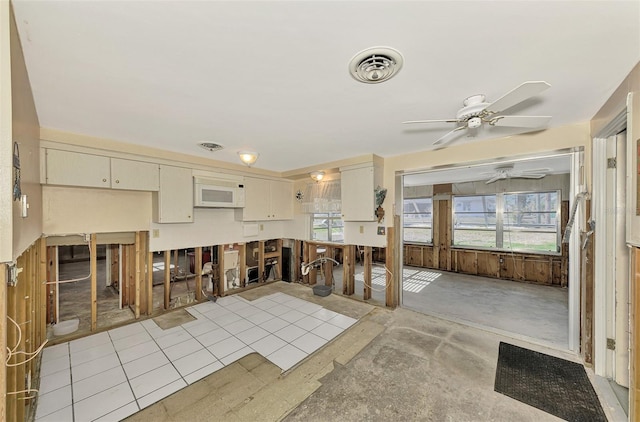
<point x="477" y="111"/>
<point x="508" y="172"/>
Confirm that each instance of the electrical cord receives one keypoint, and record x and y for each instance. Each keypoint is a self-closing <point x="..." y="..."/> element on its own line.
<point x="28" y="390"/>
<point x="74" y="279"/>
<point x="385" y="282"/>
<point x="12" y="352"/>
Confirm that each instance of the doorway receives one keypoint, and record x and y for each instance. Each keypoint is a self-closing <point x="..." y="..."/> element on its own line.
<point x="498" y="262"/>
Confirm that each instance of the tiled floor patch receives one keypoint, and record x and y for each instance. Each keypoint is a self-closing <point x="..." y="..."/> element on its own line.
<point x="111" y="375"/>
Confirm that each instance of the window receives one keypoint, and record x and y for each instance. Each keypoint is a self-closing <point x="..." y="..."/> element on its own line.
<point x="524" y="221"/>
<point x="418" y="219"/>
<point x="474" y="221"/>
<point x="327" y="227"/>
<point x="531" y="221"/>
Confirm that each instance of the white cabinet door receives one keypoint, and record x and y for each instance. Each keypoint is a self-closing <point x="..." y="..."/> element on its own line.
<point x="281" y="200"/>
<point x="257" y="199"/>
<point x="134" y="175"/>
<point x="267" y="200"/>
<point x="173" y="203"/>
<point x="77" y="169"/>
<point x="358" y="198"/>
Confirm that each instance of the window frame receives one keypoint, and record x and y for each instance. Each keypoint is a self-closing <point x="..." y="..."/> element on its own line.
<point x="404" y="221"/>
<point x="500" y="224"/>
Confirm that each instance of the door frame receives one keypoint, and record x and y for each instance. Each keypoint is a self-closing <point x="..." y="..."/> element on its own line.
<point x="603" y="301"/>
<point x="578" y="186"/>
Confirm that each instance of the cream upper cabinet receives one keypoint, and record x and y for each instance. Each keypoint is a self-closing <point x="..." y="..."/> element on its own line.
<point x="77" y="169"/>
<point x="267" y="200"/>
<point x="281" y="200"/>
<point x="357" y="186"/>
<point x="89" y="170"/>
<point x="173" y="203"/>
<point x="134" y="175"/>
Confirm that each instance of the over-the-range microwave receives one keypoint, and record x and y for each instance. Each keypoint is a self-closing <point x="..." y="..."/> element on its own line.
<point x="218" y="193"/>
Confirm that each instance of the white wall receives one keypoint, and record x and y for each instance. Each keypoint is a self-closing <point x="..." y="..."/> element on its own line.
<point x="82" y="210"/>
<point x="211" y="226"/>
<point x="6" y="169"/>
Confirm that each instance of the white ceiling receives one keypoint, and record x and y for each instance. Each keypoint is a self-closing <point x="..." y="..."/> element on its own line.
<point x="271" y="76"/>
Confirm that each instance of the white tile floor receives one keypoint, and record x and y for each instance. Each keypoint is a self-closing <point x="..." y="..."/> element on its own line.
<point x="111" y="375"/>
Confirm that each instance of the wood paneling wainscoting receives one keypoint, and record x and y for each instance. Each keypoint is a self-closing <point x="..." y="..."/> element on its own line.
<point x="531" y="268"/>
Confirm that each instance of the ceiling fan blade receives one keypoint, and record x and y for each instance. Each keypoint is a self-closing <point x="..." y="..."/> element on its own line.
<point x="431" y="121"/>
<point x="517" y="95"/>
<point x="444" y="140"/>
<point x="521" y="121"/>
<point x="528" y="176"/>
<point x="496" y="178"/>
<point x="534" y="171"/>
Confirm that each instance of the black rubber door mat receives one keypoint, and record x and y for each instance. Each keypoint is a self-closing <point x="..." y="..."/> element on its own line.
<point x="551" y="384"/>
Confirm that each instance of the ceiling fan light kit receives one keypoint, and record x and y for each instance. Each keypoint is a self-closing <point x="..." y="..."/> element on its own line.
<point x="476" y="111"/>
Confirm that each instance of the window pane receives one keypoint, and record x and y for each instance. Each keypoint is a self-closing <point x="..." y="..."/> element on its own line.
<point x="327" y="227"/>
<point x="418" y="217"/>
<point x="475" y="238"/>
<point x="532" y="241"/>
<point x="415" y="234"/>
<point x="544" y="221"/>
<point x="479" y="203"/>
<point x="417" y="205"/>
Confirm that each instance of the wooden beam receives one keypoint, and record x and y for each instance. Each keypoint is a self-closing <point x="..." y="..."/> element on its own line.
<point x="391" y="297"/>
<point x="3" y="342"/>
<point x="167" y="279"/>
<point x="262" y="276"/>
<point x="313" y="272"/>
<point x="634" y="358"/>
<point x="43" y="299"/>
<point x="242" y="261"/>
<point x="221" y="285"/>
<point x="51" y="287"/>
<point x="21" y="319"/>
<point x="12" y="339"/>
<point x="367" y="273"/>
<point x="297" y="252"/>
<point x="198" y="270"/>
<point x="328" y="267"/>
<point x="348" y="269"/>
<point x="279" y="263"/>
<point x="149" y="283"/>
<point x="93" y="262"/>
<point x="136" y="276"/>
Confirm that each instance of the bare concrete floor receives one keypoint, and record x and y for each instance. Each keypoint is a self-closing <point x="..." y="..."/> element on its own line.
<point x="391" y="365"/>
<point x="540" y="313"/>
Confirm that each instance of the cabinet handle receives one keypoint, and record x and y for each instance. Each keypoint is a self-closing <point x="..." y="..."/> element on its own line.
<point x="117" y="181"/>
<point x="104" y="180"/>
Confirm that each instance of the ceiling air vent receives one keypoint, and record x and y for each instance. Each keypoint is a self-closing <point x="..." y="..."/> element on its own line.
<point x="210" y="146"/>
<point x="375" y="65"/>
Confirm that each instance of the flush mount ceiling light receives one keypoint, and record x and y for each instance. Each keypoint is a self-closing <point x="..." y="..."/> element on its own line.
<point x="210" y="146"/>
<point x="248" y="157"/>
<point x="375" y="65"/>
<point x="317" y="175"/>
